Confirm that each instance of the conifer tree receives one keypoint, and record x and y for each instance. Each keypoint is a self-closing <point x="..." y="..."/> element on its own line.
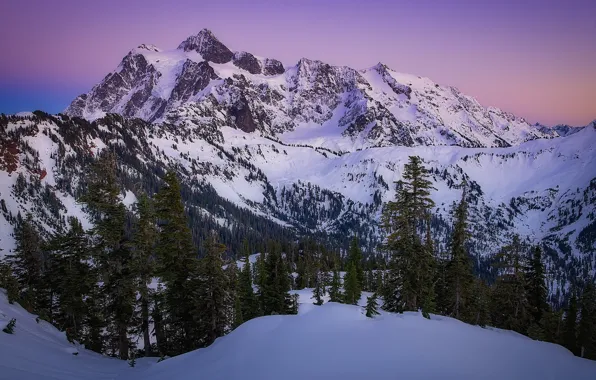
<point x="351" y="286"/>
<point x="177" y="267"/>
<point x="570" y="325"/>
<point x="587" y="323"/>
<point x="233" y="288"/>
<point x="143" y="245"/>
<point x="276" y="295"/>
<point x="372" y="306"/>
<point x="74" y="277"/>
<point x="409" y="284"/>
<point x="536" y="286"/>
<point x="26" y="263"/>
<point x="479" y="309"/>
<point x="248" y="302"/>
<point x="537" y="294"/>
<point x="261" y="276"/>
<point x="335" y="294"/>
<point x="9" y="282"/>
<point x="213" y="294"/>
<point x="317" y="292"/>
<point x="510" y="303"/>
<point x="355" y="259"/>
<point x="459" y="276"/>
<point x="111" y="254"/>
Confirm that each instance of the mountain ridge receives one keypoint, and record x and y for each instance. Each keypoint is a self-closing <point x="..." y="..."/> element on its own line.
<point x="357" y="108"/>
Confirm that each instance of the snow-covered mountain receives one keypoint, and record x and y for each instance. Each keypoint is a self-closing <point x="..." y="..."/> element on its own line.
<point x="254" y="185"/>
<point x="331" y="341"/>
<point x="311" y="102"/>
<point x="267" y="151"/>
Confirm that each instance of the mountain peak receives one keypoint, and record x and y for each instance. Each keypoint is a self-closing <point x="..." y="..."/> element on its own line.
<point x="208" y="46"/>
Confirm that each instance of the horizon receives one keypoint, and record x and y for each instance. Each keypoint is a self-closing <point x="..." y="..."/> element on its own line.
<point x="488" y="51"/>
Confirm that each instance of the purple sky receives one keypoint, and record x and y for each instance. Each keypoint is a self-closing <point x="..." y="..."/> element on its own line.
<point x="535" y="58"/>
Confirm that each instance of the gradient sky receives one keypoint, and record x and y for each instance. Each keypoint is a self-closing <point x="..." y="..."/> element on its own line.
<point x="535" y="58"/>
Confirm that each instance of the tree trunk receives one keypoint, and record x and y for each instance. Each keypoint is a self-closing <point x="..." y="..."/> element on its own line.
<point x="123" y="341"/>
<point x="145" y="325"/>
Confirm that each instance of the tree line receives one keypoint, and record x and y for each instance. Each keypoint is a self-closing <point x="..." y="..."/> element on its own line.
<point x="138" y="274"/>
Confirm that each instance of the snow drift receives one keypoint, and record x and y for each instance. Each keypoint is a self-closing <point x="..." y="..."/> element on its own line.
<point x="332" y="341"/>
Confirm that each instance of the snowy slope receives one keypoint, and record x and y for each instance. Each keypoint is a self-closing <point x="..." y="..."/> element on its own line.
<point x="543" y="189"/>
<point x="331" y="341"/>
<point x="311" y="102"/>
<point x="338" y="341"/>
<point x="39" y="351"/>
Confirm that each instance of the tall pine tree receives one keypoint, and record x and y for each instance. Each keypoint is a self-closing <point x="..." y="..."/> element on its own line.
<point x="177" y="267"/>
<point x="409" y="284"/>
<point x="459" y="276"/>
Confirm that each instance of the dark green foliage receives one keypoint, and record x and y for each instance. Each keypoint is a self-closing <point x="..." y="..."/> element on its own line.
<point x="111" y="252"/>
<point x="318" y="290"/>
<point x="75" y="278"/>
<point x="510" y="307"/>
<point x="372" y="306"/>
<point x="276" y="287"/>
<point x="351" y="286"/>
<point x="246" y="295"/>
<point x="536" y="285"/>
<point x="355" y="258"/>
<point x="9" y="282"/>
<point x="480" y="303"/>
<point x="213" y="296"/>
<point x="570" y="326"/>
<point x="587" y="323"/>
<point x="9" y="329"/>
<point x="409" y="284"/>
<point x="458" y="273"/>
<point x="27" y="262"/>
<point x="335" y="294"/>
<point x="177" y="267"/>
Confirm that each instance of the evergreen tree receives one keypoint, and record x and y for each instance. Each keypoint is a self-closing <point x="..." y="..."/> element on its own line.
<point x="143" y="245"/>
<point x="74" y="277"/>
<point x="276" y="295"/>
<point x="335" y="294"/>
<point x="233" y="286"/>
<point x="355" y="259"/>
<point x="111" y="254"/>
<point x="177" y="267"/>
<point x="537" y="293"/>
<point x="261" y="277"/>
<point x="587" y="323"/>
<point x="536" y="284"/>
<point x="409" y="284"/>
<point x="351" y="286"/>
<point x="570" y="326"/>
<point x="459" y="276"/>
<point x="213" y="294"/>
<point x="372" y="306"/>
<point x="248" y="302"/>
<point x="480" y="303"/>
<point x="510" y="303"/>
<point x="9" y="282"/>
<point x="317" y="293"/>
<point x="26" y="263"/>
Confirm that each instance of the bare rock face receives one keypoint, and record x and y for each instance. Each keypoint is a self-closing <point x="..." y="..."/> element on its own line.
<point x="247" y="62"/>
<point x="208" y="46"/>
<point x="273" y="67"/>
<point x="193" y="78"/>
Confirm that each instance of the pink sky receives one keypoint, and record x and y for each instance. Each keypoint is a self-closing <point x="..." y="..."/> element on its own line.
<point x="536" y="59"/>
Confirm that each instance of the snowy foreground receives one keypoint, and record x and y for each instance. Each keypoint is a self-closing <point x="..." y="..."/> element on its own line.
<point x="333" y="341"/>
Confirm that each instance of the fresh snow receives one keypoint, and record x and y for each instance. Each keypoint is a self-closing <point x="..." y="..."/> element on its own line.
<point x="322" y="342"/>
